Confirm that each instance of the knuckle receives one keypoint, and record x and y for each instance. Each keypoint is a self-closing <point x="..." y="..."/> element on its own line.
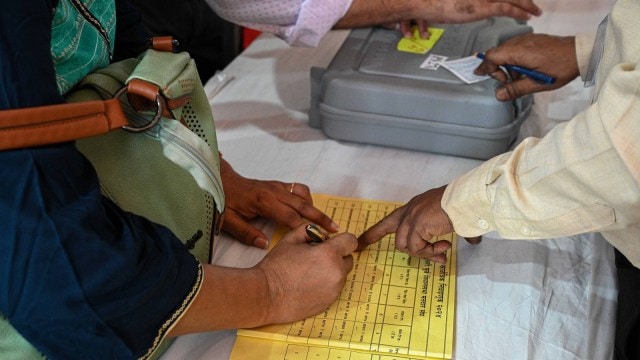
<point x="513" y="90"/>
<point x="304" y="187"/>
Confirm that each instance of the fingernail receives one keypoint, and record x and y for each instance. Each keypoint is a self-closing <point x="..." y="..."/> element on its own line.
<point x="496" y="74"/>
<point x="335" y="227"/>
<point x="502" y="94"/>
<point x="261" y="243"/>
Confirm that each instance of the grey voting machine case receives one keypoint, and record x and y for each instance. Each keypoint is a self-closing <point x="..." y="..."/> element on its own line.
<point x="373" y="93"/>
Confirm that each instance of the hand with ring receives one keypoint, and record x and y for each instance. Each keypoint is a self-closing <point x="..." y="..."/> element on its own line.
<point x="286" y="204"/>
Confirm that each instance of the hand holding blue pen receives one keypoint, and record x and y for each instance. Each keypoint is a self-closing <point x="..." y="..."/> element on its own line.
<point x="535" y="75"/>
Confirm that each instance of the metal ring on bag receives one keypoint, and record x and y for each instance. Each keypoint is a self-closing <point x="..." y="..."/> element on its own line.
<point x="151" y="123"/>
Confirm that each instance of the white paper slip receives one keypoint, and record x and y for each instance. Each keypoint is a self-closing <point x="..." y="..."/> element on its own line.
<point x="463" y="69"/>
<point x="433" y="62"/>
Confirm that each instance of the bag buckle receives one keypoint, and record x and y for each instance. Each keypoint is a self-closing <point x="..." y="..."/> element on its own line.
<point x="159" y="111"/>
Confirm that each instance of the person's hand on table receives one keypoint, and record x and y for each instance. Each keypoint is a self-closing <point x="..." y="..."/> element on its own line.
<point x="306" y="279"/>
<point x="288" y="204"/>
<point x="415" y="224"/>
<point x="552" y="55"/>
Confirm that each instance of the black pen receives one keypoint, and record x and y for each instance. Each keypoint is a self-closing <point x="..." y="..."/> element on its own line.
<point x="535" y="75"/>
<point x="316" y="235"/>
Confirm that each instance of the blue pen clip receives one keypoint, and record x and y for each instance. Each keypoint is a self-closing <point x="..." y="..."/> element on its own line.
<point x="535" y="75"/>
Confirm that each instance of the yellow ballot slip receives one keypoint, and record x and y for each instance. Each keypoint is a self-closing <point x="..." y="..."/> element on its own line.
<point x="417" y="44"/>
<point x="393" y="306"/>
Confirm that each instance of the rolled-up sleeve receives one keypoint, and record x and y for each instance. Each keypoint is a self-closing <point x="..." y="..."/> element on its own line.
<point x="584" y="176"/>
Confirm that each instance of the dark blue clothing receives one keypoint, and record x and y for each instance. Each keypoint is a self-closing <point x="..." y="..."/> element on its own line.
<point x="79" y="277"/>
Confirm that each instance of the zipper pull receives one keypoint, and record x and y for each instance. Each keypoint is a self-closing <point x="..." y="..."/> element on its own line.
<point x="217" y="220"/>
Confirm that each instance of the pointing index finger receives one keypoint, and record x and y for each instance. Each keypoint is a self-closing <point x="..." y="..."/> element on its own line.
<point x="388" y="225"/>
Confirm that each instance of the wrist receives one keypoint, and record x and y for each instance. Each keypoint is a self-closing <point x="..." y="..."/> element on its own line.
<point x="264" y="309"/>
<point x="572" y="55"/>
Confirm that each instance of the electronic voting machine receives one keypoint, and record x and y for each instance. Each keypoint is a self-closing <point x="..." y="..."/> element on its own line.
<point x="373" y="93"/>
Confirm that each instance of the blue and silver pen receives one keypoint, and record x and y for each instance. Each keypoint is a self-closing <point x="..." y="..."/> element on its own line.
<point x="535" y="75"/>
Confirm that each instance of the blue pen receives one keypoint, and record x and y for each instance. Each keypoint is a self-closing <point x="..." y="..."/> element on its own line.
<point x="535" y="75"/>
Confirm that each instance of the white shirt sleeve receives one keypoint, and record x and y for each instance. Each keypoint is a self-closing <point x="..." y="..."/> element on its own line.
<point x="583" y="176"/>
<point x="298" y="22"/>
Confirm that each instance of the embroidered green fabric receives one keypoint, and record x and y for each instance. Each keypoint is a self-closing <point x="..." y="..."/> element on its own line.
<point x="77" y="44"/>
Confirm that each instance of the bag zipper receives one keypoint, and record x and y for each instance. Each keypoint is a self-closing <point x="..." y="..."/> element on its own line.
<point x="201" y="161"/>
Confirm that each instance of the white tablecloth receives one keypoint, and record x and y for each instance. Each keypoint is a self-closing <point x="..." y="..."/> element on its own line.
<point x="547" y="299"/>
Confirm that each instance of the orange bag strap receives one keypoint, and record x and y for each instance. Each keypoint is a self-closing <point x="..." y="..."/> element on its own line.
<point x="43" y="125"/>
<point x="50" y="124"/>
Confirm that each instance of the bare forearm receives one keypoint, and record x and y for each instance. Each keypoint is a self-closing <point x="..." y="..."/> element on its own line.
<point x="373" y="12"/>
<point x="229" y="298"/>
<point x="282" y="288"/>
<point x="376" y="12"/>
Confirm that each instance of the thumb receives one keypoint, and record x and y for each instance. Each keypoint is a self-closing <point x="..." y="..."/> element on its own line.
<point x="344" y="243"/>
<point x="517" y="88"/>
<point x="243" y="231"/>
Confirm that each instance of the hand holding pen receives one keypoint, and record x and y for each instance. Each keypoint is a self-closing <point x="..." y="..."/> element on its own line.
<point x="316" y="234"/>
<point x="534" y="75"/>
<point x="533" y="63"/>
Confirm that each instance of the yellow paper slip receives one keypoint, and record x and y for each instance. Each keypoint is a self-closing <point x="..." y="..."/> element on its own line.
<point x="417" y="44"/>
<point x="393" y="306"/>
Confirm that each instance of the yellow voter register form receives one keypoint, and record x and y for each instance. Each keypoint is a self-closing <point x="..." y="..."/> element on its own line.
<point x="393" y="306"/>
<point x="417" y="44"/>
